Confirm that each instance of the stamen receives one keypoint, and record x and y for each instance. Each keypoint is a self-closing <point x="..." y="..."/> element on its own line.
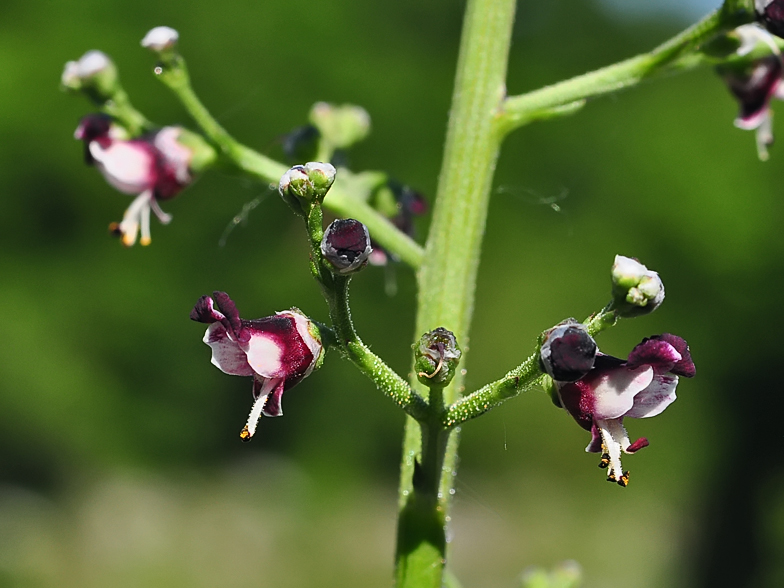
<point x="164" y="217"/>
<point x="253" y="419"/>
<point x="612" y="430"/>
<point x="438" y="369"/>
<point x="624" y="479"/>
<point x="129" y="226"/>
<point x="605" y="461"/>
<point x="145" y="226"/>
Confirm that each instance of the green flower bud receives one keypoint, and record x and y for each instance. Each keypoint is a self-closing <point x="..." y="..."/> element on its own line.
<point x="436" y="357"/>
<point x="94" y="74"/>
<point x="636" y="289"/>
<point x="340" y="126"/>
<point x="302" y="184"/>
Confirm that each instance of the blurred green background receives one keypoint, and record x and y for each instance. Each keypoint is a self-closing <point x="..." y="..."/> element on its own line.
<point x="120" y="462"/>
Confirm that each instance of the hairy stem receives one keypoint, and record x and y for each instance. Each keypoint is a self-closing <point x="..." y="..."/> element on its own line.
<point x="448" y="274"/>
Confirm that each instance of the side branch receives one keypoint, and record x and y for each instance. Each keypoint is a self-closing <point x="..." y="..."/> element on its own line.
<point x="568" y="96"/>
<point x="343" y="199"/>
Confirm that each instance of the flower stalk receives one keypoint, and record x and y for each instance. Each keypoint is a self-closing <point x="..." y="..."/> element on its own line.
<point x="569" y="95"/>
<point x="344" y="198"/>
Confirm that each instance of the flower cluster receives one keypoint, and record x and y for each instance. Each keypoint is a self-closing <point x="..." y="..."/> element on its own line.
<point x="276" y="351"/>
<point x="611" y="389"/>
<point x="153" y="167"/>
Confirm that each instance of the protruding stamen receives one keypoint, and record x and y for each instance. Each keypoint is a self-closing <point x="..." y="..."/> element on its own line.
<point x="146" y="238"/>
<point x="253" y="418"/>
<point x="245" y="434"/>
<point x="623" y="481"/>
<point x="605" y="461"/>
<point x="613" y="435"/>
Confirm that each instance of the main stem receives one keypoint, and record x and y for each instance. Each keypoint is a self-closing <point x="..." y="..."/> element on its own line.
<point x="447" y="277"/>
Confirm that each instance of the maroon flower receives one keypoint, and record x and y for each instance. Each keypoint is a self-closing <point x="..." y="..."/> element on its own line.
<point x="277" y="351"/>
<point x="154" y="167"/>
<point x="771" y="14"/>
<point x="640" y="387"/>
<point x="756" y="86"/>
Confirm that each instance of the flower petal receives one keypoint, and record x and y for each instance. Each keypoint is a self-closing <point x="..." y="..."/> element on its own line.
<point x="265" y="355"/>
<point x="685" y="367"/>
<point x="226" y="354"/>
<point x="129" y="166"/>
<point x="272" y="407"/>
<point x="654" y="352"/>
<point x="655" y="398"/>
<point x="614" y="391"/>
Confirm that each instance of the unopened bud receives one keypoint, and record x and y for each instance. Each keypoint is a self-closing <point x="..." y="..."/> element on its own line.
<point x="636" y="289"/>
<point x="340" y="126"/>
<point x="93" y="73"/>
<point x="436" y="357"/>
<point x="346" y="245"/>
<point x="160" y="39"/>
<point x="567" y="352"/>
<point x="302" y="184"/>
<point x="321" y="176"/>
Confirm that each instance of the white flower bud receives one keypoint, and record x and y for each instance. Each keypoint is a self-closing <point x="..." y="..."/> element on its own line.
<point x="160" y="38"/>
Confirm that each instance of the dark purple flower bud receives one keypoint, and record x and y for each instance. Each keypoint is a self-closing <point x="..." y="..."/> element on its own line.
<point x="771" y="14"/>
<point x="568" y="352"/>
<point x="346" y="245"/>
<point x="277" y="351"/>
<point x="436" y="357"/>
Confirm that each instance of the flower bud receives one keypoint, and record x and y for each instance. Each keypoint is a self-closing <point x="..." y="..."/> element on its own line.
<point x="346" y="245"/>
<point x="771" y="14"/>
<point x="436" y="357"/>
<point x="160" y="39"/>
<point x="321" y="176"/>
<point x="302" y="184"/>
<point x="94" y="74"/>
<point x="340" y="126"/>
<point x="568" y="352"/>
<point x="636" y="289"/>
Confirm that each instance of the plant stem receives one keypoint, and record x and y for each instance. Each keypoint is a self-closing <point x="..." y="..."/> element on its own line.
<point x="448" y="274"/>
<point x="343" y="198"/>
<point x="346" y="339"/>
<point x="571" y="94"/>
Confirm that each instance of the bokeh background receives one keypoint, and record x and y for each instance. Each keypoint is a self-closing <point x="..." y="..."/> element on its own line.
<point x="120" y="463"/>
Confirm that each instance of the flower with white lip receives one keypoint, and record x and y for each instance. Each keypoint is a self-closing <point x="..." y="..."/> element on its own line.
<point x="154" y="167"/>
<point x="277" y="351"/>
<point x="640" y="387"/>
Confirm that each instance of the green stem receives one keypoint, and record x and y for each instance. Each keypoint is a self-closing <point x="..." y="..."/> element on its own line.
<point x="522" y="378"/>
<point x="448" y="274"/>
<point x="346" y="339"/>
<point x="569" y="95"/>
<point x="343" y="199"/>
